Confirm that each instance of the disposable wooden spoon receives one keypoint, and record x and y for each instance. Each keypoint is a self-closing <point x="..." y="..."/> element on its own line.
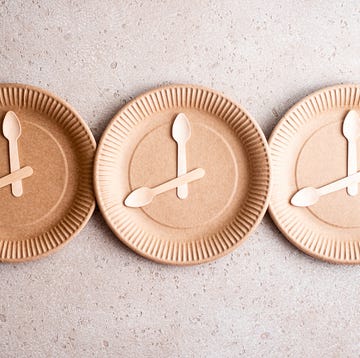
<point x="181" y="132"/>
<point x="12" y="131"/>
<point x="16" y="175"/>
<point x="351" y="131"/>
<point x="310" y="195"/>
<point x="144" y="195"/>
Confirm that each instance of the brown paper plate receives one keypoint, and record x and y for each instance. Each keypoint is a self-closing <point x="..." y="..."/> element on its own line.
<point x="222" y="208"/>
<point x="58" y="198"/>
<point x="308" y="149"/>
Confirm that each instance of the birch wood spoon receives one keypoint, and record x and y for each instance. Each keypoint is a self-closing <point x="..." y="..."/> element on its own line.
<point x="351" y="131"/>
<point x="12" y="131"/>
<point x="310" y="195"/>
<point x="181" y="132"/>
<point x="144" y="195"/>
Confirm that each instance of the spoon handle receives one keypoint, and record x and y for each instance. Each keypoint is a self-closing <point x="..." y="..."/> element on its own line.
<point x="16" y="175"/>
<point x="16" y="187"/>
<point x="182" y="190"/>
<point x="184" y="179"/>
<point x="339" y="184"/>
<point x="352" y="189"/>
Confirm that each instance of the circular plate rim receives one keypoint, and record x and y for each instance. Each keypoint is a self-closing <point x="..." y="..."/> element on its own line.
<point x="97" y="188"/>
<point x="93" y="145"/>
<point x="270" y="208"/>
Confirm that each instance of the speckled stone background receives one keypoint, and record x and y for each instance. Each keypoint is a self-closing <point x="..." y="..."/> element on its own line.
<point x="97" y="298"/>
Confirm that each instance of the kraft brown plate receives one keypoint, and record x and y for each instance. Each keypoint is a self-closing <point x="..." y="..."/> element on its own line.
<point x="221" y="209"/>
<point x="308" y="149"/>
<point x="57" y="199"/>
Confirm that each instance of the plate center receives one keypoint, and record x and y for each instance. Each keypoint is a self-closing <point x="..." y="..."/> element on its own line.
<point x="323" y="159"/>
<point x="208" y="197"/>
<point x="43" y="191"/>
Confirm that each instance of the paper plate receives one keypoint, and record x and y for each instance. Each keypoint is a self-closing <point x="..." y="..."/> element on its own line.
<point x="222" y="208"/>
<point x="308" y="149"/>
<point x="57" y="199"/>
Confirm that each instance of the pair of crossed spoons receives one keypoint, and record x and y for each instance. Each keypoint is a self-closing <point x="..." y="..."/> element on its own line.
<point x="181" y="133"/>
<point x="309" y="196"/>
<point x="12" y="131"/>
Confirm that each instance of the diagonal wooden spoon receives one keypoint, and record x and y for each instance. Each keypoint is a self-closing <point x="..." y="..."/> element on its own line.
<point x="144" y="195"/>
<point x="309" y="195"/>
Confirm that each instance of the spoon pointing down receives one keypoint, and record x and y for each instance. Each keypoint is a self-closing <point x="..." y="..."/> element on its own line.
<point x="144" y="195"/>
<point x="309" y="195"/>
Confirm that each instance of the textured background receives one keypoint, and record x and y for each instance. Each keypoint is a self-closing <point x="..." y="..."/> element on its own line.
<point x="97" y="298"/>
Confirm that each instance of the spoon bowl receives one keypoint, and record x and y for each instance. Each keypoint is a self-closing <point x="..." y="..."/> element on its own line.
<point x="351" y="126"/>
<point x="181" y="130"/>
<point x="305" y="197"/>
<point x="11" y="126"/>
<point x="139" y="197"/>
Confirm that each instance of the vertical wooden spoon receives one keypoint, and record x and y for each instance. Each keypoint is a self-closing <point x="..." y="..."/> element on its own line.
<point x="181" y="132"/>
<point x="12" y="131"/>
<point x="351" y="131"/>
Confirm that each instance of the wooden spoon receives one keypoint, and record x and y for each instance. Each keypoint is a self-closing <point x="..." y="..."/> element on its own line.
<point x="12" y="131"/>
<point x="351" y="131"/>
<point x="181" y="132"/>
<point x="144" y="195"/>
<point x="310" y="195"/>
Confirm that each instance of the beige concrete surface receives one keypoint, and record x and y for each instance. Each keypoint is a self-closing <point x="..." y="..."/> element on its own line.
<point x="95" y="298"/>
